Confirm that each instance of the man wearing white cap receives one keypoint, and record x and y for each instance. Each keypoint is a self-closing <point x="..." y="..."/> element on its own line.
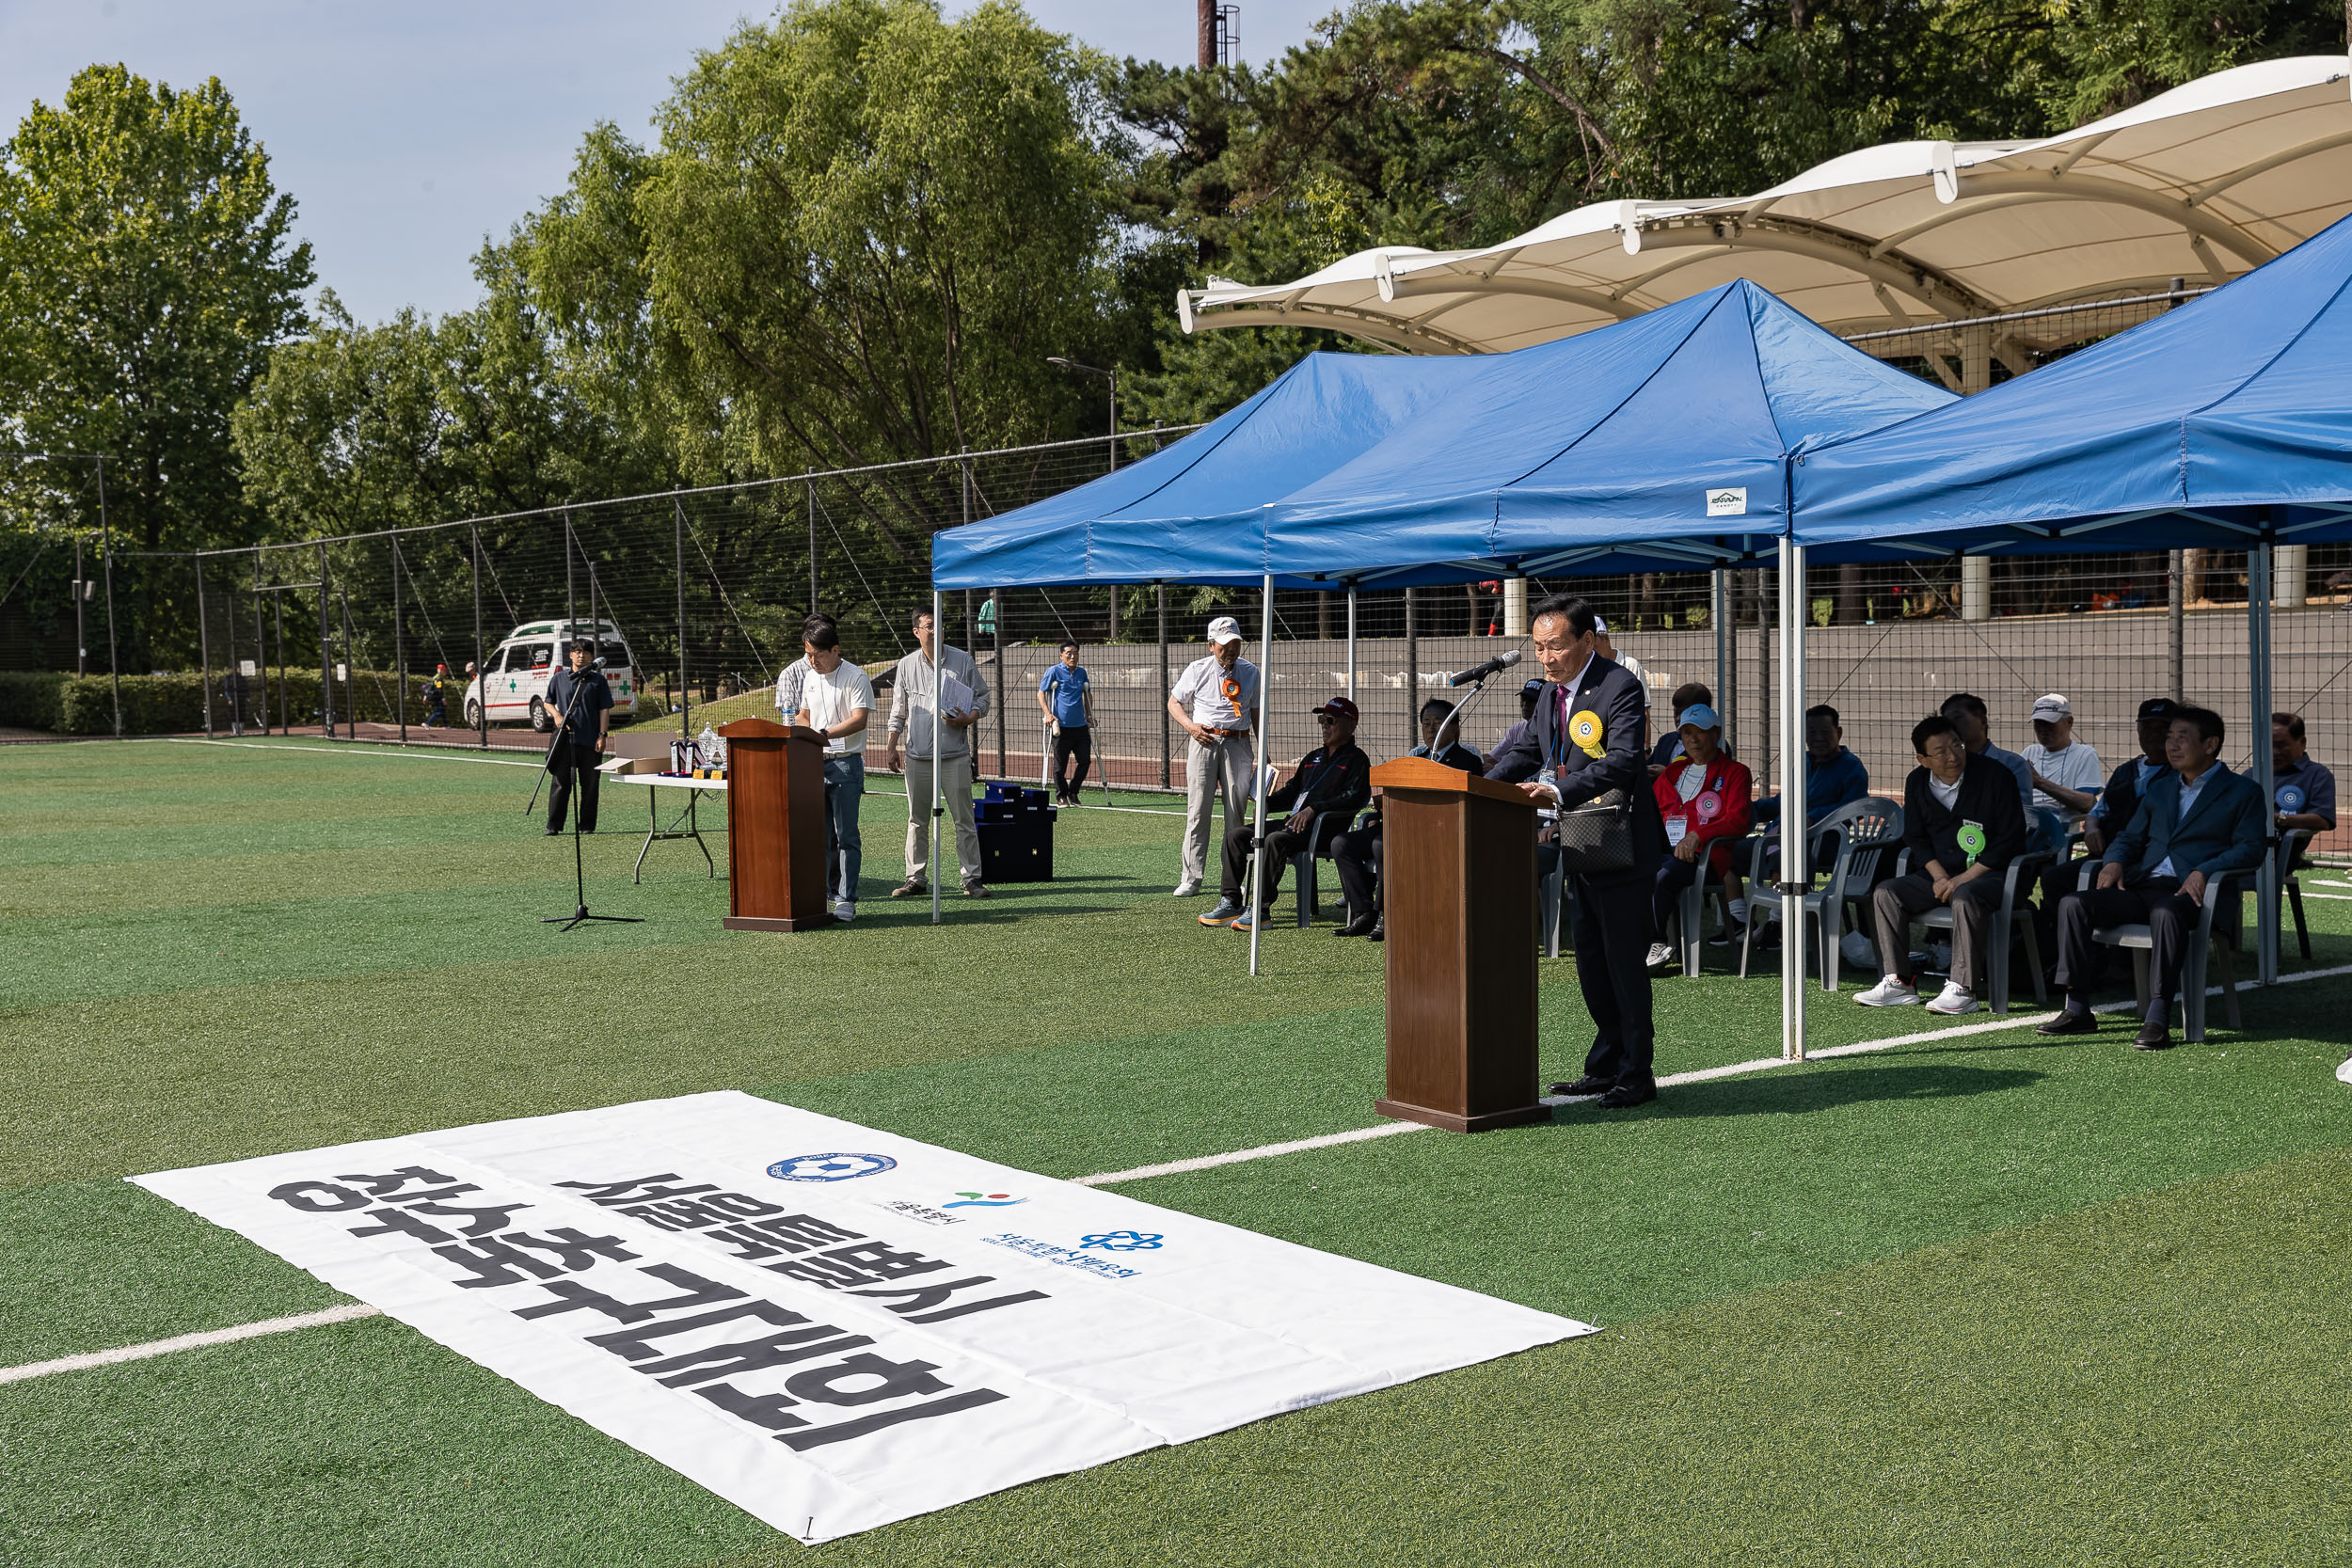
<point x="1215" y="700"/>
<point x="2066" y="773"/>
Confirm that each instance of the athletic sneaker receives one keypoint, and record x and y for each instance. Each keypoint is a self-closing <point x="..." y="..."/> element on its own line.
<point x="1660" y="953"/>
<point x="1224" y="912"/>
<point x="845" y="911"/>
<point x="1954" y="998"/>
<point x="1187" y="888"/>
<point x="1889" y="993"/>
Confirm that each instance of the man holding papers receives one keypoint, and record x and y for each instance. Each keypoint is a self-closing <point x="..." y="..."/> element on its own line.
<point x="941" y="681"/>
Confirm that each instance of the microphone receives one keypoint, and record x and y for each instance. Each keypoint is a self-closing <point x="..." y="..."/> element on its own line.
<point x="1480" y="671"/>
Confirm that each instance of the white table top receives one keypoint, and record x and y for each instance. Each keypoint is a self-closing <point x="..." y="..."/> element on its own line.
<point x="663" y="781"/>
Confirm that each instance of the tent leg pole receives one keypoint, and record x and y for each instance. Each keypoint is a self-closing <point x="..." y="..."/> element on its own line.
<point x="1795" y="865"/>
<point x="2258" y="590"/>
<point x="939" y="665"/>
<point x="1257" y="786"/>
<point x="1351" y="645"/>
<point x="1718" y="614"/>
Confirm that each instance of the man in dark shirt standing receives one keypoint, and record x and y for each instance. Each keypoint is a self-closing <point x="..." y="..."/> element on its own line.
<point x="1333" y="779"/>
<point x="1962" y="824"/>
<point x="583" y="697"/>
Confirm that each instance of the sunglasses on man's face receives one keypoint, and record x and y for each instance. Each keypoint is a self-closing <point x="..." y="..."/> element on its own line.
<point x="1326" y="717"/>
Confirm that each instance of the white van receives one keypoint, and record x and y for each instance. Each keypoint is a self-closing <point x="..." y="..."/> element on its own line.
<point x="518" y="671"/>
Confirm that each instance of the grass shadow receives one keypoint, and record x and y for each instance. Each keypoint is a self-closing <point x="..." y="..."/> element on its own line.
<point x="1796" y="1093"/>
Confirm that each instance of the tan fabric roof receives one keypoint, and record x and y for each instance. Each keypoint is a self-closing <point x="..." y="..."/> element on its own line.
<point x="2203" y="183"/>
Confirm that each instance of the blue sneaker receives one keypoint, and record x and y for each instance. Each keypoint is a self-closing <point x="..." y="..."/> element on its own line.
<point x="1225" y="910"/>
<point x="1244" y="921"/>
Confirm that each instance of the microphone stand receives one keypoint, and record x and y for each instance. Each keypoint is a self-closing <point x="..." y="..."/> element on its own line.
<point x="579" y="874"/>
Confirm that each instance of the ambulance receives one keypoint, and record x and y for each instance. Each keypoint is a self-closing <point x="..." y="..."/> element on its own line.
<point x="513" y="682"/>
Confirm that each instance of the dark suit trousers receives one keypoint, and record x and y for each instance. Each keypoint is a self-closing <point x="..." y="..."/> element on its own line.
<point x="564" y="762"/>
<point x="2158" y="904"/>
<point x="1357" y="856"/>
<point x="1280" y="844"/>
<point x="1613" y="932"/>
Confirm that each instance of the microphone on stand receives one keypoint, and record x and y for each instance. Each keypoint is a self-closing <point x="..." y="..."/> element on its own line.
<point x="1480" y="671"/>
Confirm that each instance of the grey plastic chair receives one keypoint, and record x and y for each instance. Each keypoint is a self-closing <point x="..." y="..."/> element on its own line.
<point x="2137" y="941"/>
<point x="1690" y="907"/>
<point x="1320" y="834"/>
<point x="1864" y="829"/>
<point x="2004" y="928"/>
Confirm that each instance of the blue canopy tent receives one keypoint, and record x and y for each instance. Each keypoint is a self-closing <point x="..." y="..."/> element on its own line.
<point x="1661" y="443"/>
<point x="2224" y="424"/>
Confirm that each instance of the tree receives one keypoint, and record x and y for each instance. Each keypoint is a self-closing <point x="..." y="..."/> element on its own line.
<point x="146" y="270"/>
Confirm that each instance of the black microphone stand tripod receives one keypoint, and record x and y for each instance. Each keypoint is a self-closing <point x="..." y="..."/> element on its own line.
<point x="547" y="771"/>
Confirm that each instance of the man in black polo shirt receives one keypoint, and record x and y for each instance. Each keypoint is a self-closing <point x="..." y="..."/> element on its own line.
<point x="1962" y="824"/>
<point x="585" y="701"/>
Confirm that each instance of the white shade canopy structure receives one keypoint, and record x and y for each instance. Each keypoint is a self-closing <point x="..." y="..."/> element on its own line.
<point x="2203" y="183"/>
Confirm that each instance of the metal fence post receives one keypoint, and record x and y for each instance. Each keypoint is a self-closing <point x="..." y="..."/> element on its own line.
<point x="2259" y="564"/>
<point x="400" y="649"/>
<point x="1167" y="754"/>
<point x="1726" y="657"/>
<point x="204" y="646"/>
<point x="1412" y="673"/>
<point x="113" y="665"/>
<point x="1351" y="644"/>
<point x="285" y="711"/>
<point x="812" y="548"/>
<point x="480" y="671"/>
<point x="81" y="589"/>
<point x="351" y="671"/>
<point x="326" y="656"/>
<point x="2176" y="616"/>
<point x="261" y="641"/>
<point x="685" y="697"/>
<point x="997" y="596"/>
<point x="571" y="595"/>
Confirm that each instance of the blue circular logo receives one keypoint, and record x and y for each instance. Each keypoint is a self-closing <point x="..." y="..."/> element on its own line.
<point x="2290" y="798"/>
<point x="1123" y="1241"/>
<point x="830" y="1168"/>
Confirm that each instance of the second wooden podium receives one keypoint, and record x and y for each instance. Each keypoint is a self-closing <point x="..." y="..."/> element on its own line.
<point x="1457" y="874"/>
<point x="775" y="828"/>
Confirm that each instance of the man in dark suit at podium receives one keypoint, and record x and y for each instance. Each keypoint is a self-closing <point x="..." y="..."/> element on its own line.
<point x="1584" y="740"/>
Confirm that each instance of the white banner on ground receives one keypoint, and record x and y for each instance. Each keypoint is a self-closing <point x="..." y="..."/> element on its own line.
<point x="829" y="1326"/>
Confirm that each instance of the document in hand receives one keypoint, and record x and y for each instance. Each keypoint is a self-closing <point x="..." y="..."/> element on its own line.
<point x="954" y="695"/>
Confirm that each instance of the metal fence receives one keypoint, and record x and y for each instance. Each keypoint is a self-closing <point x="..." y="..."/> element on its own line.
<point x="708" y="588"/>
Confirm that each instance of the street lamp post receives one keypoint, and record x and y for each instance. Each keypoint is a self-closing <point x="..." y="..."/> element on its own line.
<point x="1111" y="376"/>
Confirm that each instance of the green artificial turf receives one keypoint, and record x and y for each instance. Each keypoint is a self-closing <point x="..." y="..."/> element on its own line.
<point x="1984" y="1298"/>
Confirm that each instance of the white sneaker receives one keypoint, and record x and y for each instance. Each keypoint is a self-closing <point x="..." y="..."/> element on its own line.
<point x="1660" y="953"/>
<point x="1187" y="888"/>
<point x="1954" y="999"/>
<point x="1889" y="993"/>
<point x="845" y="911"/>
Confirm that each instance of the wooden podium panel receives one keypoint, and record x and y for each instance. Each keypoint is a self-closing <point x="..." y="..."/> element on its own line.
<point x="775" y="828"/>
<point x="1457" y="866"/>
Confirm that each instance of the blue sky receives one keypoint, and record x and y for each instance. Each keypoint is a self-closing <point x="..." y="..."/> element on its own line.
<point x="409" y="131"/>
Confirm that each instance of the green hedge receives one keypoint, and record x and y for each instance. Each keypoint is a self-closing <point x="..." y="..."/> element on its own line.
<point x="174" y="705"/>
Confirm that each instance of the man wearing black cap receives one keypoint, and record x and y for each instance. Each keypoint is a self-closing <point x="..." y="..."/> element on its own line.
<point x="1357" y="854"/>
<point x="583" y="700"/>
<point x="1585" y="741"/>
<point x="1334" y="779"/>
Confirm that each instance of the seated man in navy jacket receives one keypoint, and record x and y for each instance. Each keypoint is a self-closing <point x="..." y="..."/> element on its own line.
<point x="2195" y="822"/>
<point x="1334" y="779"/>
<point x="1962" y="824"/>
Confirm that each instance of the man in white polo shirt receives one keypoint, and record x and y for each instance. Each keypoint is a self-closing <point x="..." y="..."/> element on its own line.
<point x="1215" y="700"/>
<point x="829" y="694"/>
<point x="2066" y="773"/>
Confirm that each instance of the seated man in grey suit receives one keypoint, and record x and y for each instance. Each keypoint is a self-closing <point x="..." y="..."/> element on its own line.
<point x="2195" y="822"/>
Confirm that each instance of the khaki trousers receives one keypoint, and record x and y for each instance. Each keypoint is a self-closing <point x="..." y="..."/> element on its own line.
<point x="955" y="790"/>
<point x="1209" y="771"/>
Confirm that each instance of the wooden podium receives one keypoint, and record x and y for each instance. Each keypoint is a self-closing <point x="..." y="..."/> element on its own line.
<point x="1457" y="873"/>
<point x="775" y="828"/>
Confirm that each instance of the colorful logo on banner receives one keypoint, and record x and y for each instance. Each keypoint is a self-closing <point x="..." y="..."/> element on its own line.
<point x="1123" y="1241"/>
<point x="830" y="1168"/>
<point x="1586" y="729"/>
<point x="1971" y="841"/>
<point x="1707" y="807"/>
<point x="2290" y="798"/>
<point x="985" y="1200"/>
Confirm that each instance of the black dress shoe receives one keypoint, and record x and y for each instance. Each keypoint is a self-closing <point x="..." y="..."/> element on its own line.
<point x="1626" y="1096"/>
<point x="1586" y="1085"/>
<point x="2067" y="1023"/>
<point x="1360" y="926"/>
<point x="1380" y="931"/>
<point x="2153" y="1037"/>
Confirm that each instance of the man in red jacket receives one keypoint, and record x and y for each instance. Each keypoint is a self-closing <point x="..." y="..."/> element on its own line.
<point x="1707" y="799"/>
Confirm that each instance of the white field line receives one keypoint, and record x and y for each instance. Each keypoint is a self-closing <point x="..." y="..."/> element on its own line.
<point x="191" y="1342"/>
<point x="1732" y="1070"/>
<point x="1173" y="1167"/>
<point x="342" y="751"/>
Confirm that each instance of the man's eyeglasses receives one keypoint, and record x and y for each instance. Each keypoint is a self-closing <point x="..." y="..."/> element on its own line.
<point x="1326" y="717"/>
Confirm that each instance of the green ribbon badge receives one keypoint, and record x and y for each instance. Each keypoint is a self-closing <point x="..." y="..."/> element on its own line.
<point x="1971" y="841"/>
